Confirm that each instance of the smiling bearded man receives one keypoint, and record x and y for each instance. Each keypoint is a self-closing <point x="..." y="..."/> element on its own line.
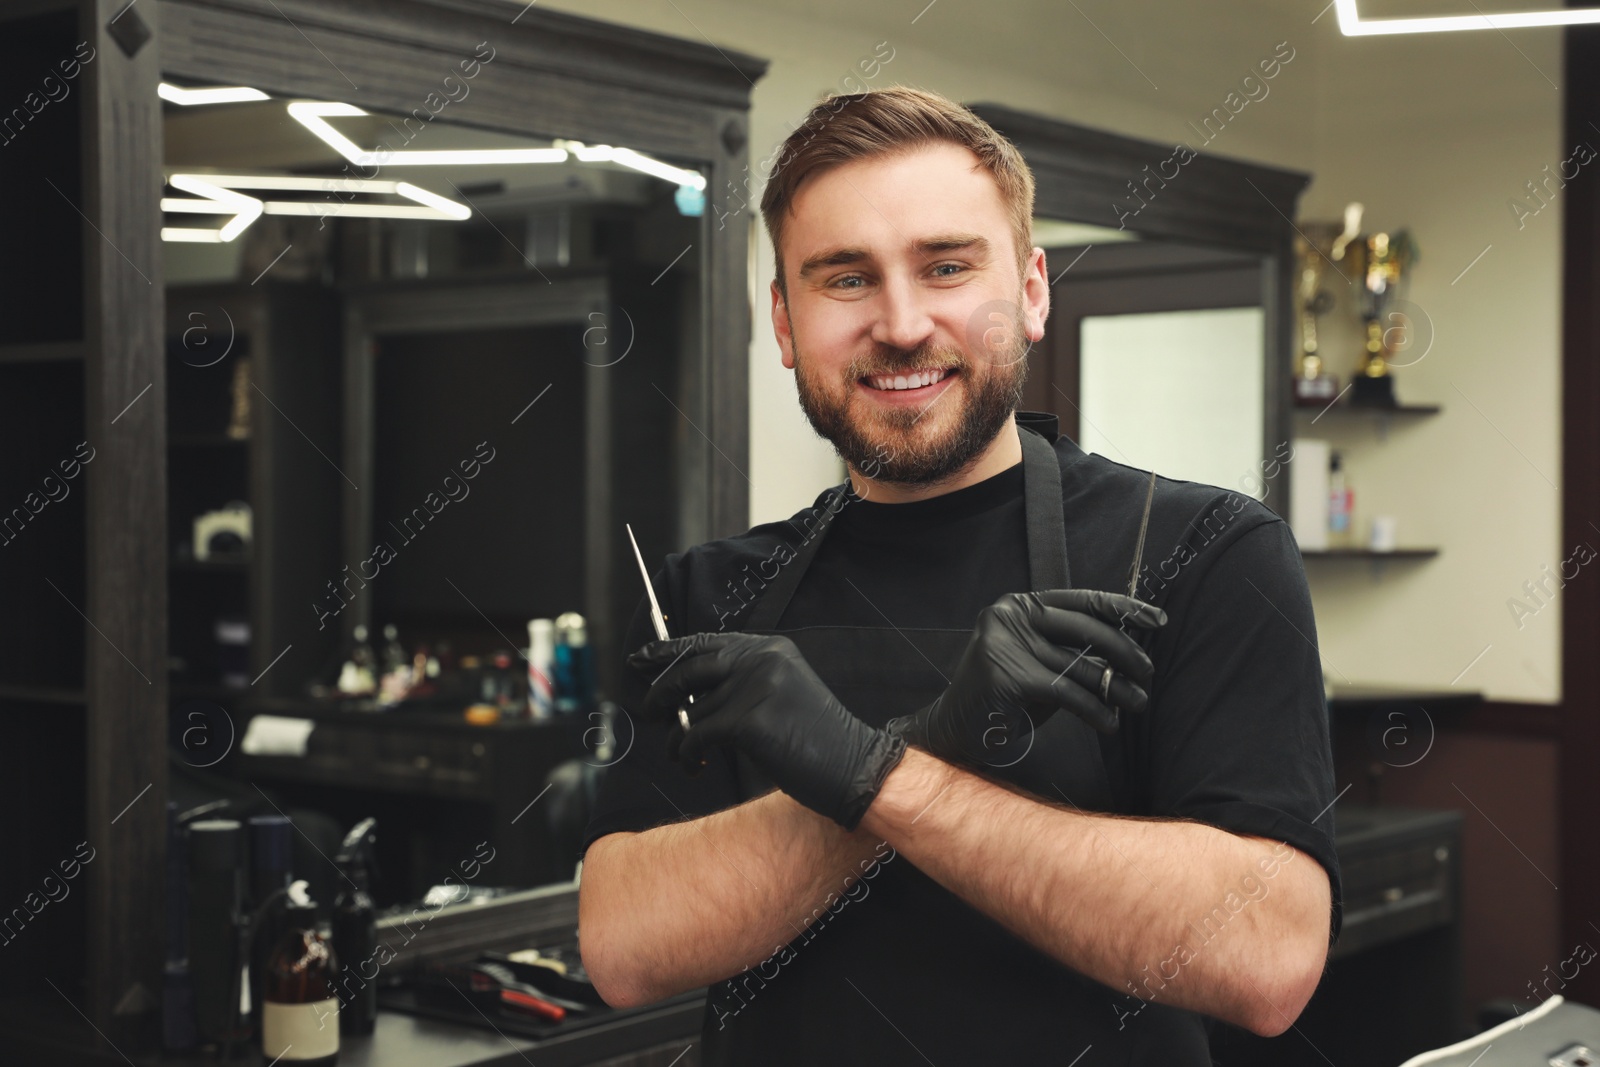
<point x="1068" y="780"/>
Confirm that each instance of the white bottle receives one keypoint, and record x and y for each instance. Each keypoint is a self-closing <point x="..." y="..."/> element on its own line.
<point x="541" y="668"/>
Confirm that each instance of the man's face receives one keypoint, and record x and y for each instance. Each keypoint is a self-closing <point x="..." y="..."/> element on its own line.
<point x="907" y="323"/>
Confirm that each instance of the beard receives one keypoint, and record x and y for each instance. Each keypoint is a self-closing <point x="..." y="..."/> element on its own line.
<point x="902" y="445"/>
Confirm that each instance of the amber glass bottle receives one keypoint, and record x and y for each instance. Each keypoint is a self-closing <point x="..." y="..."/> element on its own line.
<point x="299" y="1008"/>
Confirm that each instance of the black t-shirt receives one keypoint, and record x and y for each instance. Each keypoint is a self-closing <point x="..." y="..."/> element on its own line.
<point x="1235" y="734"/>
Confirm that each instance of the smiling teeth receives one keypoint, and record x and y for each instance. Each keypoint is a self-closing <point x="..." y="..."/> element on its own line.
<point x="907" y="381"/>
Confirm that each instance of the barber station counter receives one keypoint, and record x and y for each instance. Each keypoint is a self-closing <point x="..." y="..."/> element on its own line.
<point x="655" y="1036"/>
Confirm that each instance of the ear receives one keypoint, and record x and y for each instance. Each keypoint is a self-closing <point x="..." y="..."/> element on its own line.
<point x="1035" y="294"/>
<point x="780" y="326"/>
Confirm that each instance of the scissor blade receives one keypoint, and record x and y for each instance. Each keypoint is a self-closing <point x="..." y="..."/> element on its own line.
<point x="656" y="617"/>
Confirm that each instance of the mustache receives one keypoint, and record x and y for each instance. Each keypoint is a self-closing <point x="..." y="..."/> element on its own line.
<point x="899" y="361"/>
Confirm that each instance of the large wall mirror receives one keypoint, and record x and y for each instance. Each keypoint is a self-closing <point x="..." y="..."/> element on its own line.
<point x="433" y="344"/>
<point x="1168" y="344"/>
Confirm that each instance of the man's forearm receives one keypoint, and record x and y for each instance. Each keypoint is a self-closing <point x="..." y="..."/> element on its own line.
<point x="687" y="904"/>
<point x="1177" y="912"/>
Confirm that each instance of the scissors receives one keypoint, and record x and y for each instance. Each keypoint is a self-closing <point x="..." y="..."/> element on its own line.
<point x="656" y="617"/>
<point x="1133" y="575"/>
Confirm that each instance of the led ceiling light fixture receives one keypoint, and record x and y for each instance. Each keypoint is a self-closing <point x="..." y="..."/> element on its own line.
<point x="637" y="160"/>
<point x="218" y="198"/>
<point x="1351" y="23"/>
<point x="313" y="115"/>
<point x="217" y="201"/>
<point x="224" y="95"/>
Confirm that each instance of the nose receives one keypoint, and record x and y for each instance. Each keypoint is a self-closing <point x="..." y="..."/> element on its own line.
<point x="902" y="321"/>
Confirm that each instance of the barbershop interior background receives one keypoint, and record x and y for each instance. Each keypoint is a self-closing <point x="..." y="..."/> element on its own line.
<point x="491" y="367"/>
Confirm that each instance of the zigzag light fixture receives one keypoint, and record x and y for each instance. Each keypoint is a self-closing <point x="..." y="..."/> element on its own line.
<point x="1351" y="24"/>
<point x="236" y="94"/>
<point x="217" y="197"/>
<point x="314" y="115"/>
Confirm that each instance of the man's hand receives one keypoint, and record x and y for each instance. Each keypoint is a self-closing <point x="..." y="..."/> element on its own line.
<point x="757" y="693"/>
<point x="1028" y="656"/>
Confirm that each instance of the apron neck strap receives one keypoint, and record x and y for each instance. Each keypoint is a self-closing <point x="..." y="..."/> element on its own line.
<point x="1047" y="531"/>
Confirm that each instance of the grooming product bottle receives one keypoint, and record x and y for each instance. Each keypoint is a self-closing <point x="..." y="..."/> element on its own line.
<point x="504" y="691"/>
<point x="355" y="931"/>
<point x="299" y="1011"/>
<point x="541" y="668"/>
<point x="358" y="677"/>
<point x="1341" y="501"/>
<point x="216" y="854"/>
<point x="574" y="665"/>
<point x="394" y="653"/>
<point x="1309" y="493"/>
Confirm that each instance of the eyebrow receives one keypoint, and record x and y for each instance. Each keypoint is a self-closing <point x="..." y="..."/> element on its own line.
<point x="947" y="242"/>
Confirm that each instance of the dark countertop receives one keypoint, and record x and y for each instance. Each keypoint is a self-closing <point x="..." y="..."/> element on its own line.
<point x="1369" y="698"/>
<point x="61" y="1039"/>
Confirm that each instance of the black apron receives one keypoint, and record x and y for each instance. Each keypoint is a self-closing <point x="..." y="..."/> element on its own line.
<point x="901" y="970"/>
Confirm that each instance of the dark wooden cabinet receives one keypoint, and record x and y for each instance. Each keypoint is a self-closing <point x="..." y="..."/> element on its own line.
<point x="93" y="573"/>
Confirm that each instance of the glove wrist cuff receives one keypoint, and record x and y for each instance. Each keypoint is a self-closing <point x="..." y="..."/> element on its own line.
<point x="886" y="752"/>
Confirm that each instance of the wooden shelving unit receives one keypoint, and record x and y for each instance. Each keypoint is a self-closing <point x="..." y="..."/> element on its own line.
<point x="286" y="344"/>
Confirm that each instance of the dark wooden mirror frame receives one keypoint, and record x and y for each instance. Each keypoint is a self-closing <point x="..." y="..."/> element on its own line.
<point x="552" y="75"/>
<point x="1087" y="175"/>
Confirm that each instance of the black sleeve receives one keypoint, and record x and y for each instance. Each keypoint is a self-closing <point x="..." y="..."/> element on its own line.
<point x="1238" y="731"/>
<point x="640" y="788"/>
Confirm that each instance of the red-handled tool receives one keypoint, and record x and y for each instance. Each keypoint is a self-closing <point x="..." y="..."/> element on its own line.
<point x="520" y="1001"/>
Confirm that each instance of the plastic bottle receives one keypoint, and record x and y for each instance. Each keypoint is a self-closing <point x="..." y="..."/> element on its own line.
<point x="1341" y="501"/>
<point x="541" y="668"/>
<point x="574" y="665"/>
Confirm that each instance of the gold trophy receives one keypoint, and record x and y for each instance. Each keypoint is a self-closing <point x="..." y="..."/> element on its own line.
<point x="1313" y="385"/>
<point x="239" y="423"/>
<point x="1380" y="263"/>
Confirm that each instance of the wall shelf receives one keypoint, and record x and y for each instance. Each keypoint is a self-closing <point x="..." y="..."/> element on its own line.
<point x="205" y="440"/>
<point x="42" y="694"/>
<point x="232" y="564"/>
<point x="1382" y="416"/>
<point x="42" y="352"/>
<point x="1368" y="553"/>
<point x="1371" y="409"/>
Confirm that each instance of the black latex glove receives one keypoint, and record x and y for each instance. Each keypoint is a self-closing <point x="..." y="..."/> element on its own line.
<point x="1030" y="654"/>
<point x="758" y="694"/>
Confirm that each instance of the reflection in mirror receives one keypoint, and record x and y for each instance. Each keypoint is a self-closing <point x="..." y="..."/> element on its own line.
<point x="1154" y="353"/>
<point x="419" y="376"/>
<point x="1181" y="391"/>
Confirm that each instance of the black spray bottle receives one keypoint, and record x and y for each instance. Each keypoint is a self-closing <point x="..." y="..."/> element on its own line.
<point x="355" y="930"/>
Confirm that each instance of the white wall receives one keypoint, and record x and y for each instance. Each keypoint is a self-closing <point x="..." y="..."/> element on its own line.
<point x="1434" y="132"/>
<point x="1437" y="133"/>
